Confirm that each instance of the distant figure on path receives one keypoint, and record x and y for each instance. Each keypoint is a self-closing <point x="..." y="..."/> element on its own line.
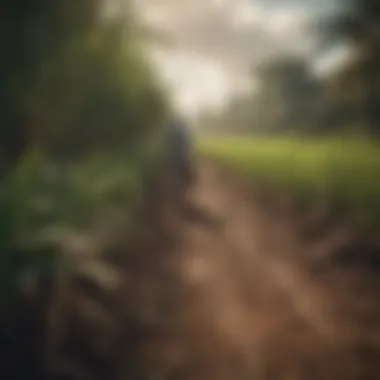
<point x="182" y="174"/>
<point x="180" y="152"/>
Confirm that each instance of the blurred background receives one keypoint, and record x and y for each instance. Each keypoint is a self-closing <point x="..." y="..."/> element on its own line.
<point x="285" y="93"/>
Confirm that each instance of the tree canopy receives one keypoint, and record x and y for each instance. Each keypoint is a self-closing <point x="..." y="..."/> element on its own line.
<point x="72" y="79"/>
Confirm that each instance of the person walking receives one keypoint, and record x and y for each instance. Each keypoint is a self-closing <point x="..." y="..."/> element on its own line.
<point x="180" y="150"/>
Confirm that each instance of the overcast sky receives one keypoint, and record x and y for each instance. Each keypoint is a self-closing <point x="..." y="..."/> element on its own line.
<point x="214" y="43"/>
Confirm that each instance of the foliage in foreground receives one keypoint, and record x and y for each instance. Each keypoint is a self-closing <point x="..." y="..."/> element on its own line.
<point x="79" y="105"/>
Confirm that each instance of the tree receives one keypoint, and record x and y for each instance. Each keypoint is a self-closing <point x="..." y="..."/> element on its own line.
<point x="288" y="95"/>
<point x="360" y="25"/>
<point x="73" y="80"/>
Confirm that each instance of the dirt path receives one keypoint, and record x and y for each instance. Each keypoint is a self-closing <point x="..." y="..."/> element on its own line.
<point x="233" y="298"/>
<point x="247" y="309"/>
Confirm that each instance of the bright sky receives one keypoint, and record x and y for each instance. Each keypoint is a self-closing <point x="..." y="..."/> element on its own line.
<point x="215" y="43"/>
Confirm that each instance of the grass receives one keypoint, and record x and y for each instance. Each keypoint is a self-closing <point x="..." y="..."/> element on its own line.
<point x="339" y="171"/>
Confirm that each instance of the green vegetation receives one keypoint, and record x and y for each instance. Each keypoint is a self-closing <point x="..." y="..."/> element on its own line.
<point x="80" y="105"/>
<point x="342" y="172"/>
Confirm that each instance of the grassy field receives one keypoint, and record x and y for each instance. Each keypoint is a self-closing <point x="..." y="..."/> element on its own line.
<point x="344" y="172"/>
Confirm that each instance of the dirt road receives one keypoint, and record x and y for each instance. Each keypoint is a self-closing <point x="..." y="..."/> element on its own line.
<point x="247" y="305"/>
<point x="226" y="289"/>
